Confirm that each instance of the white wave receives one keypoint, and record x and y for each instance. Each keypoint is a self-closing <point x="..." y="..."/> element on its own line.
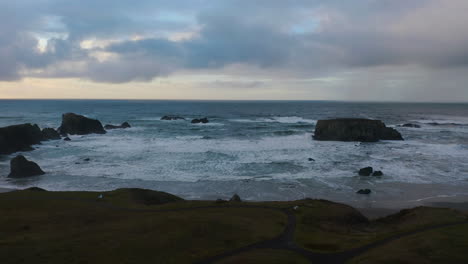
<point x="277" y="119"/>
<point x="443" y="119"/>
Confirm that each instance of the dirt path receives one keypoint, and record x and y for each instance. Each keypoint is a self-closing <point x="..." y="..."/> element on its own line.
<point x="284" y="241"/>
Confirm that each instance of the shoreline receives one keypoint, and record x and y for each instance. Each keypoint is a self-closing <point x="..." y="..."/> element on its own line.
<point x="372" y="212"/>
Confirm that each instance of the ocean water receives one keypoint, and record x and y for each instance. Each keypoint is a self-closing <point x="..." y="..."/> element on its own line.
<point x="258" y="149"/>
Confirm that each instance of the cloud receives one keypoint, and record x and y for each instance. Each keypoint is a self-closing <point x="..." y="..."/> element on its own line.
<point x="297" y="38"/>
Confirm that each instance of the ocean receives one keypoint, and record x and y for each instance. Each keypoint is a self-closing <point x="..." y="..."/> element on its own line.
<point x="258" y="149"/>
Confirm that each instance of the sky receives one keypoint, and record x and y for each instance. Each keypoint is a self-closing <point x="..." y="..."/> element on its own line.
<point x="359" y="50"/>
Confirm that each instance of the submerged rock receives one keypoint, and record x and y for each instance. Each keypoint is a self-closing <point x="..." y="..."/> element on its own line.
<point x="21" y="167"/>
<point x="171" y="117"/>
<point x="354" y="129"/>
<point x="123" y="125"/>
<point x="201" y="120"/>
<point x="67" y="139"/>
<point x="235" y="198"/>
<point x="19" y="138"/>
<point x="50" y="134"/>
<point x="74" y="124"/>
<point x="364" y="191"/>
<point x="367" y="171"/>
<point x="410" y="125"/>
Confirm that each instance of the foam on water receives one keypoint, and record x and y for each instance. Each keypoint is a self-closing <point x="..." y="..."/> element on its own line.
<point x="259" y="153"/>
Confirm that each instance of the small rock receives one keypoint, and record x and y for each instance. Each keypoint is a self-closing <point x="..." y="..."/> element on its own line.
<point x="123" y="125"/>
<point x="21" y="167"/>
<point x="367" y="171"/>
<point x="201" y="120"/>
<point x="377" y="173"/>
<point x="67" y="139"/>
<point x="170" y="117"/>
<point x="364" y="191"/>
<point x="87" y="159"/>
<point x="310" y="159"/>
<point x="235" y="198"/>
<point x="410" y="125"/>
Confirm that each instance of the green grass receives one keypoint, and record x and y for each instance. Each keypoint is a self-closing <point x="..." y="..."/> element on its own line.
<point x="137" y="226"/>
<point x="444" y="245"/>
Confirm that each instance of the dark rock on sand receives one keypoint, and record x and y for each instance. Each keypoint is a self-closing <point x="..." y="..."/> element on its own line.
<point x="123" y="125"/>
<point x="67" y="139"/>
<point x="21" y="167"/>
<point x="170" y="117"/>
<point x="354" y="129"/>
<point x="367" y="171"/>
<point x="364" y="191"/>
<point x="201" y="120"/>
<point x="50" y="134"/>
<point x="410" y="125"/>
<point x="19" y="138"/>
<point x="377" y="173"/>
<point x="36" y="189"/>
<point x="235" y="198"/>
<point x="74" y="124"/>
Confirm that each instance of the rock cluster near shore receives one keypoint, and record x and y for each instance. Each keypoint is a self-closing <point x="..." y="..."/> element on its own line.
<point x="21" y="167"/>
<point x="354" y="129"/>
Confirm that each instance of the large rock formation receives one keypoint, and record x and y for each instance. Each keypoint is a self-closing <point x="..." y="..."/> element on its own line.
<point x="19" y="138"/>
<point x="50" y="134"/>
<point x="74" y="124"/>
<point x="123" y="125"/>
<point x="21" y="167"/>
<point x="354" y="129"/>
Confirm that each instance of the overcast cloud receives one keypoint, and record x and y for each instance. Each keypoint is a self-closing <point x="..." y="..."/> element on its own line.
<point x="112" y="41"/>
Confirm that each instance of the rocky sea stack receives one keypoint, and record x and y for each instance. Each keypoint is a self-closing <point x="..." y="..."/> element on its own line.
<point x="19" y="138"/>
<point x="74" y="124"/>
<point x="21" y="167"/>
<point x="354" y="129"/>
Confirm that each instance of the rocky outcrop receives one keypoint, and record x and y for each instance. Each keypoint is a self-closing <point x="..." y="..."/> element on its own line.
<point x="74" y="124"/>
<point x="19" y="138"/>
<point x="201" y="120"/>
<point x="123" y="125"/>
<point x="21" y="167"/>
<point x="354" y="129"/>
<point x="50" y="134"/>
<point x="170" y="117"/>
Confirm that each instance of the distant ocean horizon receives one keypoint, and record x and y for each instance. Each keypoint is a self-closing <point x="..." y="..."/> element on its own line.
<point x="260" y="149"/>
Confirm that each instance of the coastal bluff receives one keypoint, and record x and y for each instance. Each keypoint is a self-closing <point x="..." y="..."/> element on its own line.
<point x="354" y="129"/>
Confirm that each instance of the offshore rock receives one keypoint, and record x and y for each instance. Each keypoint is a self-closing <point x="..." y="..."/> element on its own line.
<point x="354" y="129"/>
<point x="123" y="125"/>
<point x="74" y="124"/>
